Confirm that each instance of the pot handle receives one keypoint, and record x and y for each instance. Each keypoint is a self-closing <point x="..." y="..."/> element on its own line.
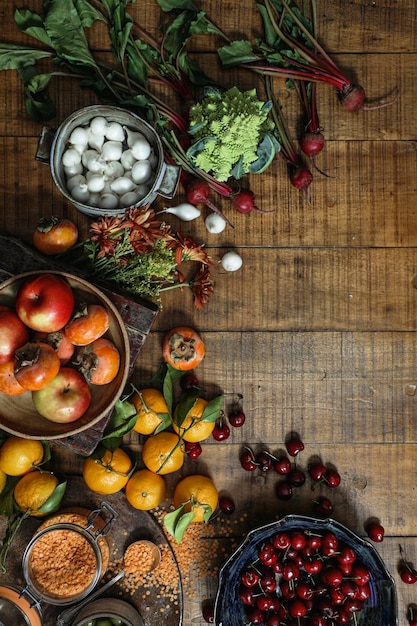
<point x="169" y="182"/>
<point x="43" y="150"/>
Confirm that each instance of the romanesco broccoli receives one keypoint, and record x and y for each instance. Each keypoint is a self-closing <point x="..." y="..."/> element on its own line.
<point x="232" y="134"/>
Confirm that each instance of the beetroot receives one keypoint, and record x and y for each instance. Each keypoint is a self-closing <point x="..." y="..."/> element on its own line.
<point x="244" y="202"/>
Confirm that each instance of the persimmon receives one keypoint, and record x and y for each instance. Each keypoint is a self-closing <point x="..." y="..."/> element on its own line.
<point x="89" y="323"/>
<point x="60" y="343"/>
<point x="183" y="348"/>
<point x="8" y="383"/>
<point x="99" y="361"/>
<point x="54" y="235"/>
<point x="36" y="365"/>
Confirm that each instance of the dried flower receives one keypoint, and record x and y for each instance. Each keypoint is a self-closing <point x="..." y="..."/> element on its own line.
<point x="141" y="255"/>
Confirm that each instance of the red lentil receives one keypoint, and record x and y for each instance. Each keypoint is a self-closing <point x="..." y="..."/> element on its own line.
<point x="62" y="563"/>
<point x="80" y="519"/>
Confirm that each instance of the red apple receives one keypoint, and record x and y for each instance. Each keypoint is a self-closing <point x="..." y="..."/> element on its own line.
<point x="45" y="302"/>
<point x="65" y="399"/>
<point x="13" y="334"/>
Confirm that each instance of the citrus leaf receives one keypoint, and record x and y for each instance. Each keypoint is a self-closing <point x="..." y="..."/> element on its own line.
<point x="166" y="422"/>
<point x="168" y="390"/>
<point x="54" y="501"/>
<point x="185" y="406"/>
<point x="171" y="519"/>
<point x="7" y="503"/>
<point x="182" y="525"/>
<point x="212" y="410"/>
<point x="207" y="512"/>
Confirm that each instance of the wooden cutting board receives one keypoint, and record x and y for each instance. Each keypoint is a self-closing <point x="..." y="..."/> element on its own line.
<point x="138" y="317"/>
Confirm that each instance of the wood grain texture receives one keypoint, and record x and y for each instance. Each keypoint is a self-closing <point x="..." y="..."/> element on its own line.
<point x="317" y="331"/>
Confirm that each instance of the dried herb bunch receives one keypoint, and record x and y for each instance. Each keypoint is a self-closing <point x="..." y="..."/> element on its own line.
<point x="144" y="256"/>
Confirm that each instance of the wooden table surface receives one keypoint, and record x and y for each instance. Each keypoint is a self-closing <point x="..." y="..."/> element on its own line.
<point x="317" y="331"/>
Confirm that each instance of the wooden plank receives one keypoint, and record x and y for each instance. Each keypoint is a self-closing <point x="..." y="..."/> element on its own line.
<point x="369" y="203"/>
<point x="395" y="122"/>
<point x="307" y="289"/>
<point x="335" y="387"/>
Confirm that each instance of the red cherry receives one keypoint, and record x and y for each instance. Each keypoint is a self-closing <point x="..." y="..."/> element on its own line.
<point x="237" y="419"/>
<point x="294" y="445"/>
<point x="329" y="543"/>
<point x="283" y="490"/>
<point x="360" y="574"/>
<point x="283" y="466"/>
<point x="332" y="478"/>
<point x="256" y="616"/>
<point x="208" y="612"/>
<point x="313" y="565"/>
<point x="346" y="555"/>
<point x="250" y="577"/>
<point x="247" y="596"/>
<point x="408" y="574"/>
<point x="221" y="431"/>
<point x="353" y="605"/>
<point x="297" y="608"/>
<point x="317" y="471"/>
<point x="304" y="591"/>
<point x="290" y="571"/>
<point x="189" y="382"/>
<point x="281" y="541"/>
<point x="226" y="505"/>
<point x="296" y="478"/>
<point x="298" y="540"/>
<point x="247" y="460"/>
<point x="193" y="449"/>
<point x="264" y="461"/>
<point x="375" y="532"/>
<point x="323" y="507"/>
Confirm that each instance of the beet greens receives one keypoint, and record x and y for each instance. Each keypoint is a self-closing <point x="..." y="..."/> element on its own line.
<point x="286" y="55"/>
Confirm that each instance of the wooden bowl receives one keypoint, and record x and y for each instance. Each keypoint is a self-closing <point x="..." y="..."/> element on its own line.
<point x="18" y="415"/>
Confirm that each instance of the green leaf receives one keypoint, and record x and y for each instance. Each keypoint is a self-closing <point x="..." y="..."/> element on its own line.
<point x="168" y="390"/>
<point x="199" y="145"/>
<point x="192" y="69"/>
<point x="238" y="51"/>
<point x="32" y="24"/>
<point x="14" y="57"/>
<point x="185" y="406"/>
<point x="182" y="525"/>
<point x="38" y="104"/>
<point x="212" y="410"/>
<point x="207" y="512"/>
<point x="166" y="423"/>
<point x="123" y="419"/>
<point x="266" y="152"/>
<point x="7" y="503"/>
<point x="65" y="30"/>
<point x="88" y="14"/>
<point x="171" y="519"/>
<point x="238" y="170"/>
<point x="53" y="503"/>
<point x="170" y="5"/>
